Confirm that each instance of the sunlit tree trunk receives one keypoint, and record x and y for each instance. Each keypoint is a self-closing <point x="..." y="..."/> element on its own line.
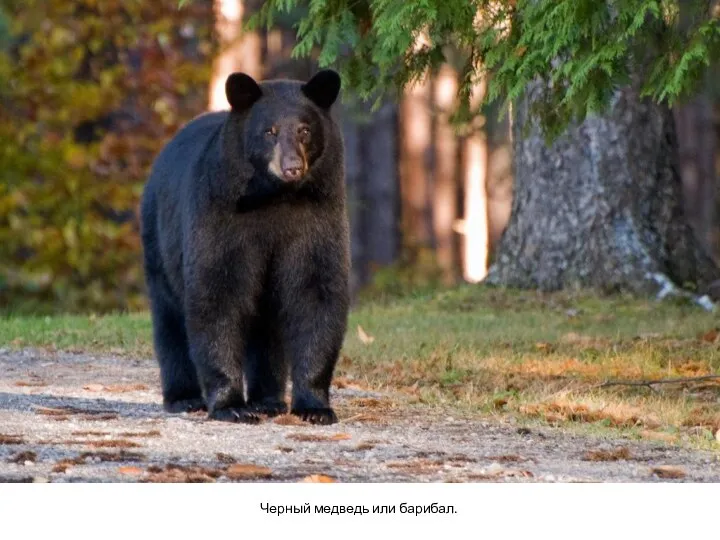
<point x="474" y="225"/>
<point x="239" y="51"/>
<point x="445" y="178"/>
<point x="415" y="166"/>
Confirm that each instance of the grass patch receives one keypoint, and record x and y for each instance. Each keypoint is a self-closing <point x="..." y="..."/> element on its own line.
<point x="539" y="356"/>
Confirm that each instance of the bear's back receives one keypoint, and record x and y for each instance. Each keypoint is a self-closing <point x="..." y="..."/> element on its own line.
<point x="188" y="147"/>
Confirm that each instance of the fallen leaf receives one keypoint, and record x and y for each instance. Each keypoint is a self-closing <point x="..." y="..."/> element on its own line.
<point x="115" y="443"/>
<point x="288" y="420"/>
<point x="616" y="454"/>
<point x="241" y="471"/>
<point x="98" y="416"/>
<point x="658" y="436"/>
<point x="310" y="437"/>
<point x="173" y="473"/>
<point x="130" y="470"/>
<point x="11" y="439"/>
<point x="31" y="383"/>
<point x="369" y="402"/>
<point x="50" y="411"/>
<point x="364" y="446"/>
<point x="63" y="412"/>
<point x="121" y="388"/>
<point x="417" y="466"/>
<point x="668" y="471"/>
<point x="710" y="336"/>
<point x="364" y="337"/>
<point x="508" y="458"/>
<point x="63" y="465"/>
<point x="318" y="479"/>
<point x="499" y="403"/>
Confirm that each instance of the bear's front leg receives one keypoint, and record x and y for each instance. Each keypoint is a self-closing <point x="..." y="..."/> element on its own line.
<point x="314" y="318"/>
<point x="219" y="308"/>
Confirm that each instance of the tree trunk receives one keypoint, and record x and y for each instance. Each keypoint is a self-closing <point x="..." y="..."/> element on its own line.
<point x="239" y="51"/>
<point x="416" y="166"/>
<point x="379" y="209"/>
<point x="696" y="138"/>
<point x="445" y="178"/>
<point x="602" y="207"/>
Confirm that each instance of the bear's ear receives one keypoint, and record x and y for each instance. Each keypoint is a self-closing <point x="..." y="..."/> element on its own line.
<point x="323" y="88"/>
<point x="241" y="91"/>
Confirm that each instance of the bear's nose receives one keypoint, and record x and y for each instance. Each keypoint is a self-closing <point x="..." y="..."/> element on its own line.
<point x="293" y="173"/>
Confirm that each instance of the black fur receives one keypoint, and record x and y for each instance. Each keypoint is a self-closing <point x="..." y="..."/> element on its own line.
<point x="247" y="269"/>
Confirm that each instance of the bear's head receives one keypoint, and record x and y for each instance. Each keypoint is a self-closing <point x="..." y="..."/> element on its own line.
<point x="284" y="123"/>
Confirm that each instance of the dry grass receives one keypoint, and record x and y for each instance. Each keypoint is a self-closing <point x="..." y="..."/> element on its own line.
<point x="542" y="357"/>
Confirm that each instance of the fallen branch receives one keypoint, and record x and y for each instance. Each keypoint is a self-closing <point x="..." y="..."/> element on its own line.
<point x="651" y="383"/>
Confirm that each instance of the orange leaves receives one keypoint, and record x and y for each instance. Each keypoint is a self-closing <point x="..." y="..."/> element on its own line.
<point x="30" y="384"/>
<point x="240" y="471"/>
<point x="318" y="437"/>
<point x="668" y="472"/>
<point x="318" y="479"/>
<point x="616" y="454"/>
<point x="130" y="470"/>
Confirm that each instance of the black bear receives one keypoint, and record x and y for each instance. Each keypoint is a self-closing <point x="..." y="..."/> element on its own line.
<point x="246" y="253"/>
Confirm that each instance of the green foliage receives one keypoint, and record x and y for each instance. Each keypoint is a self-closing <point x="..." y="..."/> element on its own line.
<point x="416" y="272"/>
<point x="581" y="49"/>
<point x="91" y="90"/>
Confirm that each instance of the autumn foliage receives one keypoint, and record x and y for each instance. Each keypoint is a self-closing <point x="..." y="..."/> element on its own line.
<point x="91" y="90"/>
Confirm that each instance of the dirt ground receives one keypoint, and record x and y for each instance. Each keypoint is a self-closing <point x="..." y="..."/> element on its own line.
<point x="75" y="417"/>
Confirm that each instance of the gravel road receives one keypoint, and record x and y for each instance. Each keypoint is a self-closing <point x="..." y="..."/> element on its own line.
<point x="75" y="417"/>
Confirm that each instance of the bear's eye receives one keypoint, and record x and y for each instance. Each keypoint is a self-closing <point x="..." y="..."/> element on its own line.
<point x="271" y="132"/>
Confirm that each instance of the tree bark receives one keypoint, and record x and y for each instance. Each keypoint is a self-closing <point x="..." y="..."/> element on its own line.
<point x="416" y="167"/>
<point x="380" y="206"/>
<point x="602" y="207"/>
<point x="446" y="176"/>
<point x="696" y="138"/>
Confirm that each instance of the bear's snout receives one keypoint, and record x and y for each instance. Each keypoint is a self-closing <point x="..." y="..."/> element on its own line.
<point x="288" y="162"/>
<point x="293" y="167"/>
